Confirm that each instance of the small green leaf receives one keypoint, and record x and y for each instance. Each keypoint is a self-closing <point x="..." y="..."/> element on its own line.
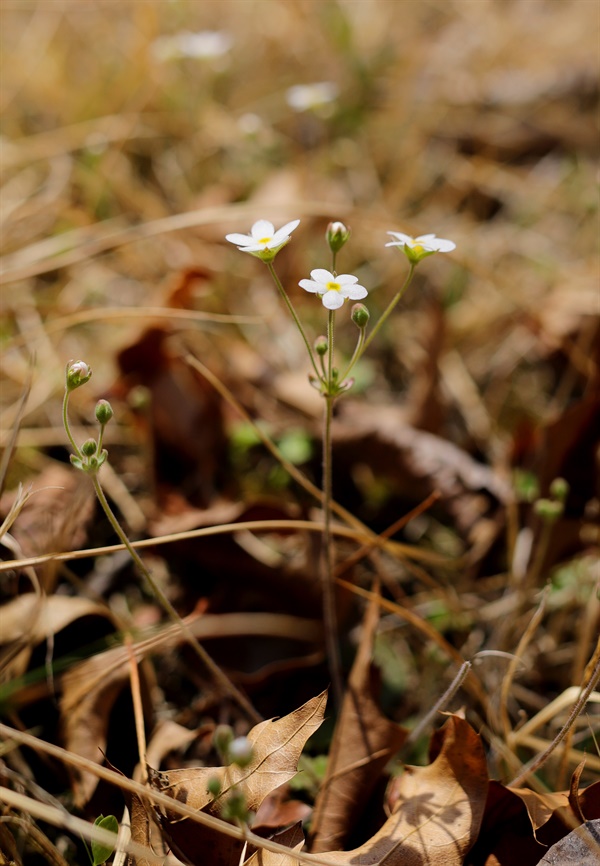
<point x="101" y="853"/>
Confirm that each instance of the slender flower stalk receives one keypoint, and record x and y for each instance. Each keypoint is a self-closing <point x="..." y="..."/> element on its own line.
<point x="329" y="611"/>
<point x="89" y="459"/>
<point x="334" y="290"/>
<point x="294" y="315"/>
<point x="389" y="309"/>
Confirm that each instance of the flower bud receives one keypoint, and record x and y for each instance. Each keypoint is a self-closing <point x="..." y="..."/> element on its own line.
<point x="104" y="412"/>
<point x="360" y="315"/>
<point x="213" y="786"/>
<point x="559" y="489"/>
<point x="78" y="373"/>
<point x="89" y="447"/>
<point x="235" y="807"/>
<point x="336" y="235"/>
<point x="321" y="346"/>
<point x="222" y="738"/>
<point x="548" y="509"/>
<point x="240" y="752"/>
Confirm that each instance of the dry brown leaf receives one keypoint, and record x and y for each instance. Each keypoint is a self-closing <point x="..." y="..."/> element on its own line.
<point x="90" y="688"/>
<point x="439" y="808"/>
<point x="580" y="848"/>
<point x="141" y="832"/>
<point x="31" y="618"/>
<point x="277" y="745"/>
<point x="293" y="837"/>
<point x="168" y="736"/>
<point x="417" y="462"/>
<point x="540" y="807"/>
<point x="363" y="743"/>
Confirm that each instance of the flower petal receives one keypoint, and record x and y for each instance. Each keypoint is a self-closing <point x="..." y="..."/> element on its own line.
<point x="424" y="238"/>
<point x="346" y="279"/>
<point x="262" y="229"/>
<point x="311" y="286"/>
<point x="288" y="228"/>
<point x="400" y="236"/>
<point x="333" y="300"/>
<point x="443" y="246"/>
<point x="322" y="276"/>
<point x="355" y="292"/>
<point x="279" y="238"/>
<point x="239" y="239"/>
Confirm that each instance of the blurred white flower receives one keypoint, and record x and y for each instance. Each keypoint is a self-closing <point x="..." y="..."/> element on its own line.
<point x="418" y="248"/>
<point x="303" y="97"/>
<point x="333" y="290"/>
<point x="263" y="241"/>
<point x="204" y="45"/>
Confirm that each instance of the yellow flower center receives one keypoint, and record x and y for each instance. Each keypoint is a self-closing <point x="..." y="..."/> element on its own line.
<point x="417" y="248"/>
<point x="333" y="287"/>
<point x="264" y="240"/>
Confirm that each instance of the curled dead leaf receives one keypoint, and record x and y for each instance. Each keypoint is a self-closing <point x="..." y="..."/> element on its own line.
<point x="276" y="744"/>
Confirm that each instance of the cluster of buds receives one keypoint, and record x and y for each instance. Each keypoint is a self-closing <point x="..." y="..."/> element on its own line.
<point x="549" y="510"/>
<point x="90" y="457"/>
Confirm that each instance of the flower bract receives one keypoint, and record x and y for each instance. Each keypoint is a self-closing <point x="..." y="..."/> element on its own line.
<point x="418" y="248"/>
<point x="333" y="290"/>
<point x="263" y="241"/>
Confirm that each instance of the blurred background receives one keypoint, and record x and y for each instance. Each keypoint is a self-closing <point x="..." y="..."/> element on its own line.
<point x="473" y="119"/>
<point x="135" y="135"/>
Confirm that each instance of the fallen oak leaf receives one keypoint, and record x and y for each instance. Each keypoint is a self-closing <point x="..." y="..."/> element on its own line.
<point x="276" y="747"/>
<point x="438" y="808"/>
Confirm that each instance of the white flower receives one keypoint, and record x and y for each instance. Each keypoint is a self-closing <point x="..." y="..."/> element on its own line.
<point x="203" y="45"/>
<point x="303" y="97"/>
<point x="333" y="291"/>
<point x="263" y="241"/>
<point x="417" y="248"/>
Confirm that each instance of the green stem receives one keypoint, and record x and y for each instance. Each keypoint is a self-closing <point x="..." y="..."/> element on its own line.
<point x="356" y="355"/>
<point x="329" y="611"/>
<point x="389" y="308"/>
<point x="214" y="669"/>
<point x="67" y="426"/>
<point x="294" y="315"/>
<point x="100" y="438"/>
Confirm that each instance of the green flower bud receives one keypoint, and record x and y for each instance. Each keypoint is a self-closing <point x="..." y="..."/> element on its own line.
<point x="104" y="412"/>
<point x="214" y="786"/>
<point x="321" y="346"/>
<point x="559" y="489"/>
<point x="548" y="509"/>
<point x="78" y="373"/>
<point x="360" y="315"/>
<point x="222" y="739"/>
<point x="89" y="447"/>
<point x="235" y="807"/>
<point x="336" y="235"/>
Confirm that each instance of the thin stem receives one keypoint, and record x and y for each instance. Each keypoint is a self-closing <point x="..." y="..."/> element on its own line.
<point x="66" y="425"/>
<point x="100" y="438"/>
<point x="389" y="308"/>
<point x="294" y="315"/>
<point x="214" y="669"/>
<point x="356" y="355"/>
<point x="329" y="611"/>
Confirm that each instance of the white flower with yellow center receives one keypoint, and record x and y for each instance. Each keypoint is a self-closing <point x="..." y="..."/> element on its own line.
<point x="418" y="248"/>
<point x="263" y="241"/>
<point x="333" y="290"/>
